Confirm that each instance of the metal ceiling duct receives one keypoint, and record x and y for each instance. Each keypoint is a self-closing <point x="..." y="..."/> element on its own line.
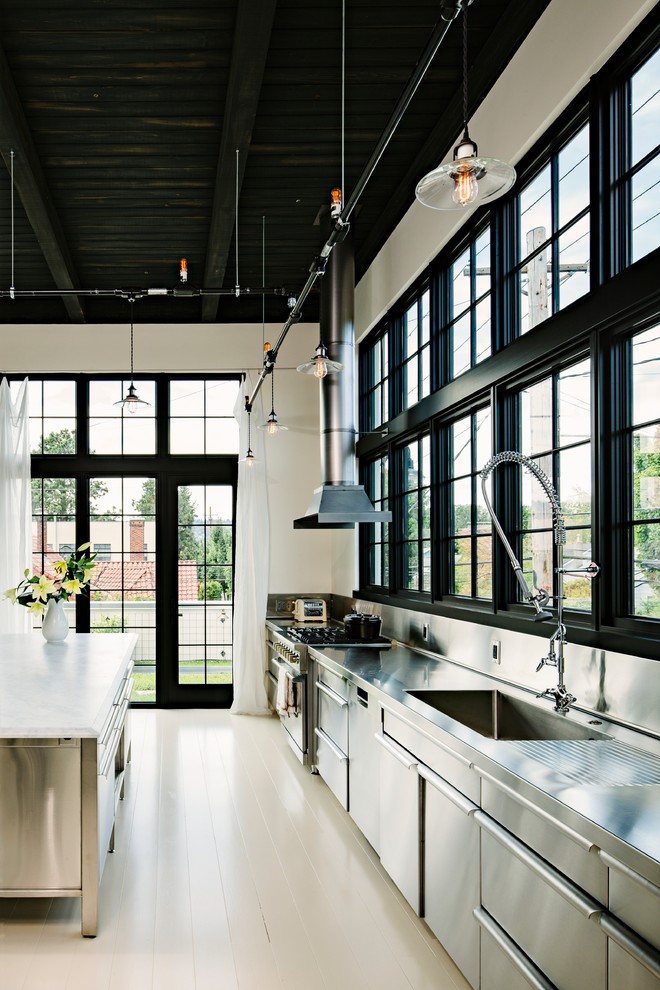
<point x="339" y="503"/>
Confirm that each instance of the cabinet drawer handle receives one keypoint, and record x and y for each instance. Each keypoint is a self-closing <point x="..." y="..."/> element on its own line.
<point x="396" y="751"/>
<point x="586" y="905"/>
<point x="428" y="735"/>
<point x="619" y="867"/>
<point x="635" y="946"/>
<point x="539" y="812"/>
<point x="329" y="693"/>
<point x="451" y="793"/>
<point x="534" y="977"/>
<point x="331" y="746"/>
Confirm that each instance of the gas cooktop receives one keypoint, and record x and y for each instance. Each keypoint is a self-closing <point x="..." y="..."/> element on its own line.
<point x="330" y="636"/>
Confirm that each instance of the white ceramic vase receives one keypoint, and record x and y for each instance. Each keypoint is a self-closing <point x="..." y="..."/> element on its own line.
<point x="55" y="627"/>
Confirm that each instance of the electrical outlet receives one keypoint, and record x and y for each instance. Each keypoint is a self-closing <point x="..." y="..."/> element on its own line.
<point x="497" y="651"/>
<point x="284" y="605"/>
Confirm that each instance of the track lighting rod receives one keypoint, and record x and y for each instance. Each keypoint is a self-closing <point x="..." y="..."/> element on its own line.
<point x="183" y="292"/>
<point x="448" y="13"/>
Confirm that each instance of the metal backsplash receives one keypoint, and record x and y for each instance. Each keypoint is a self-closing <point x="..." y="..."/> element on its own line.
<point x="620" y="687"/>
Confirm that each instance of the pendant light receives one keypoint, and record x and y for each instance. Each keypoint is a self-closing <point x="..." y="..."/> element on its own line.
<point x="131" y="400"/>
<point x="249" y="457"/>
<point x="272" y="426"/>
<point x="470" y="179"/>
<point x="320" y="365"/>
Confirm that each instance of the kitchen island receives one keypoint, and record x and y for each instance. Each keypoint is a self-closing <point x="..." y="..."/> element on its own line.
<point x="64" y="746"/>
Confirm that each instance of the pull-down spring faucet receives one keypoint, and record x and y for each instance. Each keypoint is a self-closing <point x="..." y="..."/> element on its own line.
<point x="540" y="598"/>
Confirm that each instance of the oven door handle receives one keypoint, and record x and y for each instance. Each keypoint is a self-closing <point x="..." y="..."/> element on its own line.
<point x="296" y="678"/>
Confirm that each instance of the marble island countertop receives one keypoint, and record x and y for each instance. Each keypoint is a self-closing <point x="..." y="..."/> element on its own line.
<point x="53" y="690"/>
<point x="607" y="787"/>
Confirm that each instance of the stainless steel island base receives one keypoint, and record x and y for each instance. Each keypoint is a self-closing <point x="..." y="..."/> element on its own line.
<point x="60" y="789"/>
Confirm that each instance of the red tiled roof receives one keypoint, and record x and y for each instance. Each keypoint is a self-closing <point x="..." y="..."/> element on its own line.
<point x="133" y="577"/>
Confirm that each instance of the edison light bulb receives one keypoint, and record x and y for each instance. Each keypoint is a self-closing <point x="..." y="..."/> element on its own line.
<point x="132" y="406"/>
<point x="466" y="187"/>
<point x="272" y="427"/>
<point x="320" y="366"/>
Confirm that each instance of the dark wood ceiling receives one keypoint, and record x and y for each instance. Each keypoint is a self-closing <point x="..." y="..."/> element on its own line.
<point x="125" y="118"/>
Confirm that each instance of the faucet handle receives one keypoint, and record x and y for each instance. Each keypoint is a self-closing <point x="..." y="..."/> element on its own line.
<point x="541" y="664"/>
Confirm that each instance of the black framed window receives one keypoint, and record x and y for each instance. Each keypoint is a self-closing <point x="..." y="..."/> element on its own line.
<point x="416" y="350"/>
<point x="469" y="545"/>
<point x="470" y="305"/>
<point x="644" y="451"/>
<point x="114" y="429"/>
<point x="640" y="177"/>
<point x="555" y="430"/>
<point x="375" y="370"/>
<point x="413" y="515"/>
<point x="53" y="527"/>
<point x="376" y="545"/>
<point x="201" y="416"/>
<point x="553" y="222"/>
<point x="52" y="408"/>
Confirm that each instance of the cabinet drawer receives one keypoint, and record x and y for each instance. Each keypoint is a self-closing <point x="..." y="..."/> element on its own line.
<point x="453" y="767"/>
<point x="503" y="965"/>
<point x="400" y="819"/>
<point x="332" y="765"/>
<point x="627" y="973"/>
<point x="635" y="900"/>
<point x="336" y="683"/>
<point x="568" y="855"/>
<point x="541" y="910"/>
<point x="332" y="715"/>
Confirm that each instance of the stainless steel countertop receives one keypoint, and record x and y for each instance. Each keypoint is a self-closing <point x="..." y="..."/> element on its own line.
<point x="608" y="790"/>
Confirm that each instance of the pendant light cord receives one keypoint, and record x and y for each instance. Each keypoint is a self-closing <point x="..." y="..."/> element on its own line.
<point x="237" y="288"/>
<point x="131" y="302"/>
<point x="11" y="160"/>
<point x="343" y="99"/>
<point x="465" y="66"/>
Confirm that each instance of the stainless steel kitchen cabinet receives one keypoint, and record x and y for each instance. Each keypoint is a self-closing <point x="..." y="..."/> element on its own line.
<point x="451" y="864"/>
<point x="399" y="802"/>
<point x="364" y="763"/>
<point x="331" y="731"/>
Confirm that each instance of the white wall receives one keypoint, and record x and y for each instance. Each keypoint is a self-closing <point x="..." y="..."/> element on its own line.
<point x="299" y="560"/>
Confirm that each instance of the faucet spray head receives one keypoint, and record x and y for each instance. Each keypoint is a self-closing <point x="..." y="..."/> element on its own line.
<point x="542" y="616"/>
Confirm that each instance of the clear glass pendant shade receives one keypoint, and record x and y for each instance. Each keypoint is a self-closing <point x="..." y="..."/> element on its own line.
<point x="465" y="182"/>
<point x="320" y="365"/>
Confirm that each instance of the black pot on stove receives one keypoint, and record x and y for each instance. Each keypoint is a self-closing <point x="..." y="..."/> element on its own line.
<point x="370" y="627"/>
<point x="352" y="625"/>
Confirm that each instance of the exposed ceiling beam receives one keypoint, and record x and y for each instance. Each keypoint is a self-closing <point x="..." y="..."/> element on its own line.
<point x="254" y="22"/>
<point x="31" y="186"/>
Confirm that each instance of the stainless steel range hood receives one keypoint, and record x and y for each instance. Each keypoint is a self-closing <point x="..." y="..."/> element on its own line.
<point x="339" y="503"/>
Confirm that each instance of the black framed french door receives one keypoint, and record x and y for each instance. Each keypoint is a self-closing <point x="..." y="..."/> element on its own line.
<point x="197" y="526"/>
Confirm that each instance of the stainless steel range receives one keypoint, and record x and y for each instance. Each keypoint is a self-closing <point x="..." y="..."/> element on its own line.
<point x="288" y="683"/>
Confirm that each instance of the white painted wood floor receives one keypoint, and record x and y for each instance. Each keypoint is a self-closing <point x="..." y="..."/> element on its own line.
<point x="234" y="868"/>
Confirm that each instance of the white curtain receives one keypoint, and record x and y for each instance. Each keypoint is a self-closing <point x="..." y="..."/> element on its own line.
<point x="15" y="502"/>
<point x="251" y="567"/>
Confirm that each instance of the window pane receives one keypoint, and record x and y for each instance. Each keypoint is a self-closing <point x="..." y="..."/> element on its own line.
<point x="577" y="553"/>
<point x="537" y="562"/>
<point x="646" y="375"/>
<point x="482" y="263"/>
<point x="536" y="291"/>
<point x="574" y="401"/>
<point x="222" y="436"/>
<point x="411" y="566"/>
<point x="537" y="511"/>
<point x="484" y="547"/>
<point x="574" y="262"/>
<point x="186" y="398"/>
<point x="461" y="494"/>
<point x="647" y="569"/>
<point x="461" y="345"/>
<point x="645" y="107"/>
<point x="139" y="435"/>
<point x="425" y="386"/>
<point x="483" y="330"/>
<point x="574" y="177"/>
<point x="411" y="373"/>
<point x="59" y="436"/>
<point x="646" y="210"/>
<point x="462" y="447"/>
<point x="575" y="485"/>
<point x="484" y="445"/>
<point x="410" y="339"/>
<point x="186" y="436"/>
<point x="535" y="212"/>
<point x="102" y="397"/>
<point x="461" y="583"/>
<point x="646" y="473"/>
<point x="426" y="317"/>
<point x="105" y="436"/>
<point x="221" y="398"/>
<point x="59" y="398"/>
<point x="461" y="284"/>
<point x="536" y="417"/>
